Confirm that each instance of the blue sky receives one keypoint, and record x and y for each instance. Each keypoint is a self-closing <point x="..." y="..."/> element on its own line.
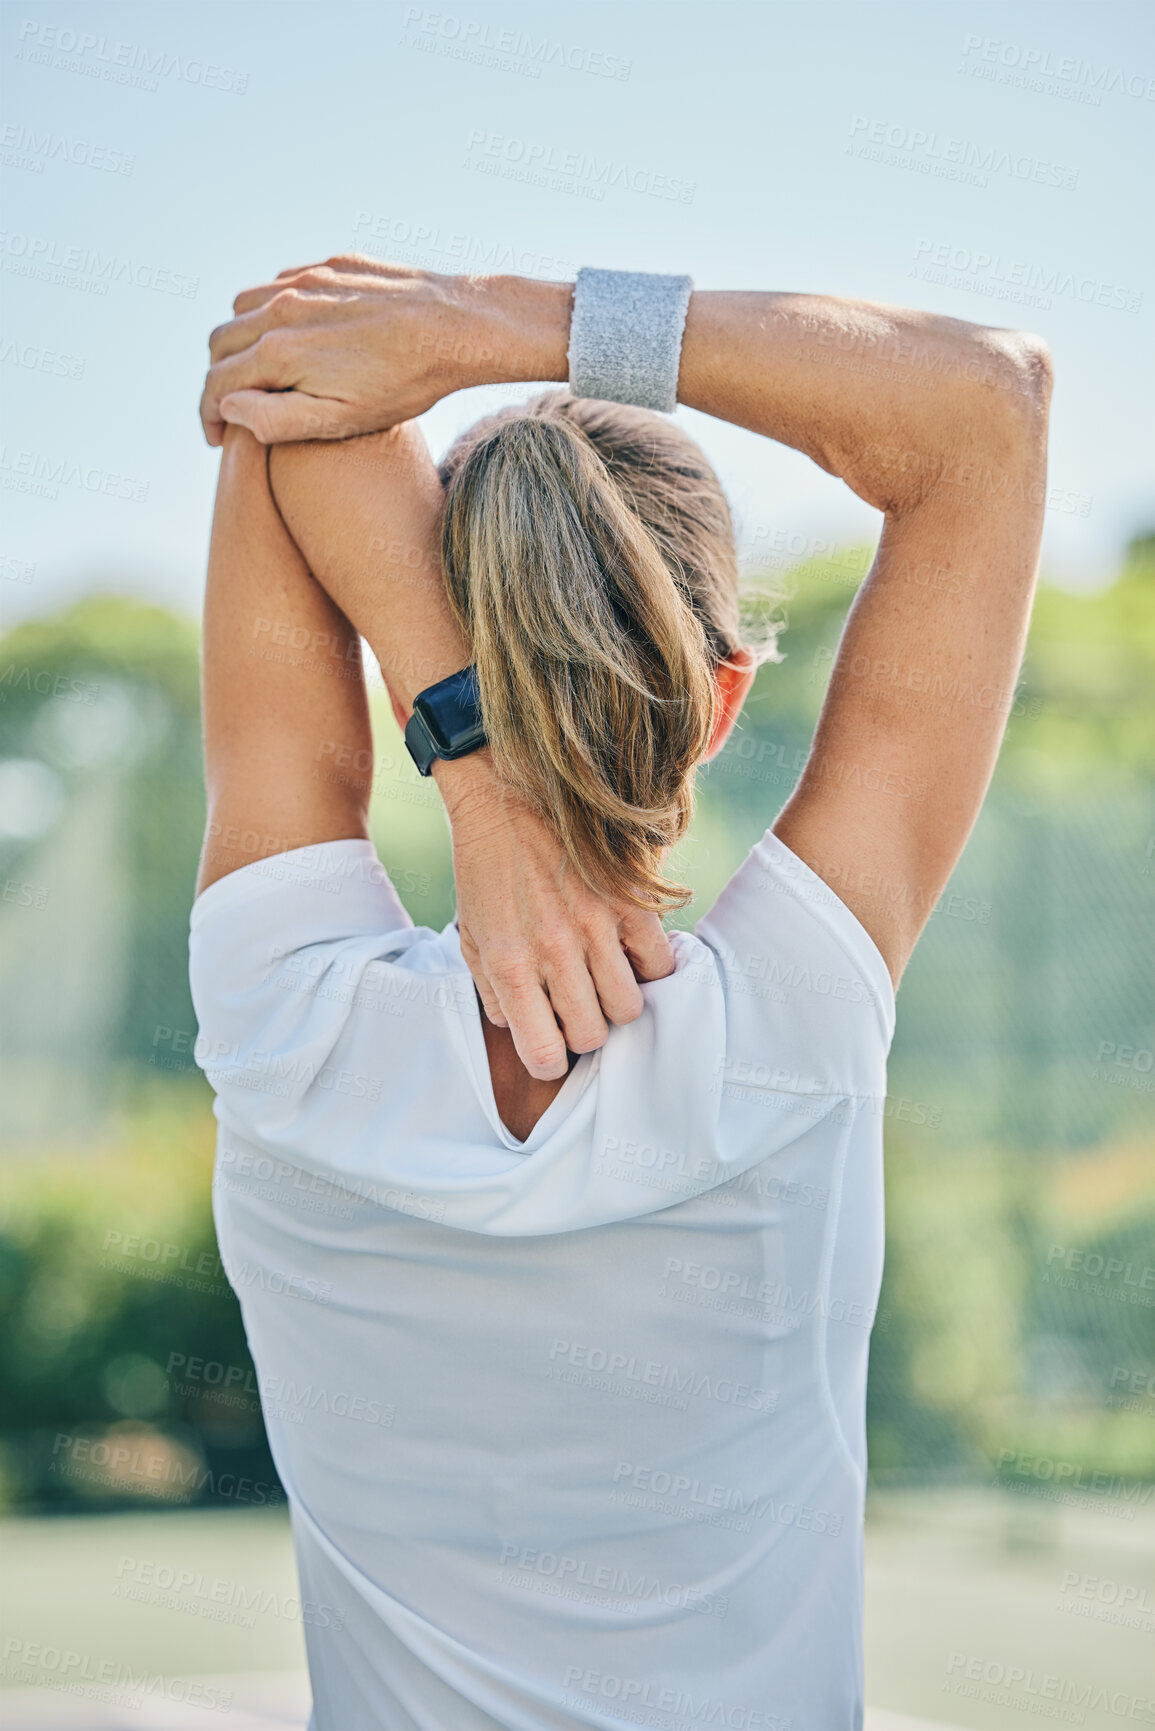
<point x="942" y="155"/>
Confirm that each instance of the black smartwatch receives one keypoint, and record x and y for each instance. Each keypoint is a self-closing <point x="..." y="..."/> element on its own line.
<point x="446" y="720"/>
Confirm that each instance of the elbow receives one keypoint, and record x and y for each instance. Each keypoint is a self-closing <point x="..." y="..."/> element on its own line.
<point x="1008" y="411"/>
<point x="1035" y="368"/>
<point x="1027" y="372"/>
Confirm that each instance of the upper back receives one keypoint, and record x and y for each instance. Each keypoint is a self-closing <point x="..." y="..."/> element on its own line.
<point x="339" y="1035"/>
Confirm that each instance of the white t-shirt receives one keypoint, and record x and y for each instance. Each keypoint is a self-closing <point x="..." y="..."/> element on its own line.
<point x="572" y="1429"/>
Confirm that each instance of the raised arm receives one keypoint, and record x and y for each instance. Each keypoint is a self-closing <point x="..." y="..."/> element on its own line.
<point x="942" y="426"/>
<point x="939" y="424"/>
<point x="551" y="959"/>
<point x="281" y="673"/>
<point x="313" y="547"/>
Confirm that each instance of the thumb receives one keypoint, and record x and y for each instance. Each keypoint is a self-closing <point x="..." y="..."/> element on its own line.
<point x="286" y="417"/>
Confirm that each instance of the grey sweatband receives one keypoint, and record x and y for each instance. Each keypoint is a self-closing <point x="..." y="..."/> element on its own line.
<point x="625" y="341"/>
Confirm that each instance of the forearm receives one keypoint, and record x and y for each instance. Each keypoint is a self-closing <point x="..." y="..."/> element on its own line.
<point x="939" y="424"/>
<point x="942" y="426"/>
<point x="889" y="399"/>
<point x="366" y="515"/>
<point x="281" y="674"/>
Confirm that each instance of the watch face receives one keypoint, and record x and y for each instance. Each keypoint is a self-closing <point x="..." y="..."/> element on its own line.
<point x="433" y="714"/>
<point x="450" y="711"/>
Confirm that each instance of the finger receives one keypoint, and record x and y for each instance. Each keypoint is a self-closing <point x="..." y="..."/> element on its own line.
<point x="575" y="1003"/>
<point x="613" y="978"/>
<point x="288" y="310"/>
<point x="250" y="299"/>
<point x="360" y="264"/>
<point x="212" y="420"/>
<point x="348" y="264"/>
<point x="317" y="276"/>
<point x="244" y="330"/>
<point x="298" y="269"/>
<point x="286" y="417"/>
<point x="489" y="1001"/>
<point x="268" y="365"/>
<point x="304" y="276"/>
<point x="472" y="958"/>
<point x="537" y="1038"/>
<point x="647" y="945"/>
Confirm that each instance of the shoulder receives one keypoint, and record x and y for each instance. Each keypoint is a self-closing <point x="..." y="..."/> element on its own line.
<point x="808" y="993"/>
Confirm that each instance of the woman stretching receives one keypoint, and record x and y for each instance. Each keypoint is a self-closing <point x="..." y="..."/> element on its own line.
<point x="559" y="1240"/>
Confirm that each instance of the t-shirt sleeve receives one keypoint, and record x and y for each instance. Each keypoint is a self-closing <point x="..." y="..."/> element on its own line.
<point x="809" y="999"/>
<point x="280" y="952"/>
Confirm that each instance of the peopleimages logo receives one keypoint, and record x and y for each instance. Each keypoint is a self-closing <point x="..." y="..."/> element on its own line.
<point x="849" y="988"/>
<point x="1067" y="1482"/>
<point x="613" y="1580"/>
<point x="1107" y="1592"/>
<point x="929" y="152"/>
<point x="37" y="473"/>
<point x="273" y="1073"/>
<point x="35" y="359"/>
<point x="654" y="1487"/>
<point x="992" y="273"/>
<point x="243" y="1162"/>
<point x="694" y="1282"/>
<point x="471" y="39"/>
<point x="1028" y="1690"/>
<point x="118" y="1462"/>
<point x="68" y="50"/>
<point x="635" y="1698"/>
<point x="75" y="1673"/>
<point x="46" y="259"/>
<point x="403" y="241"/>
<point x="1107" y="1276"/>
<point x="180" y="1589"/>
<point x="44" y="683"/>
<point x="568" y="170"/>
<point x="611" y="1365"/>
<point x="25" y="148"/>
<point x="1018" y="63"/>
<point x="275" y="1280"/>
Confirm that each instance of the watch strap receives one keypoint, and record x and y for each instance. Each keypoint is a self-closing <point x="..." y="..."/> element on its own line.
<point x="421" y="745"/>
<point x="446" y="720"/>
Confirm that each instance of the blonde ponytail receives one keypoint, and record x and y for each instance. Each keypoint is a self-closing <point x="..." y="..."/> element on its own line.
<point x="588" y="556"/>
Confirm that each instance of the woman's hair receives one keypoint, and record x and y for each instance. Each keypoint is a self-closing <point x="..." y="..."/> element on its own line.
<point x="590" y="562"/>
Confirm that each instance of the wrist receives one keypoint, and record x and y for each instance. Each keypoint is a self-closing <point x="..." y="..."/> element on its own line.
<point x="477" y="802"/>
<point x="519" y="331"/>
<point x="466" y="784"/>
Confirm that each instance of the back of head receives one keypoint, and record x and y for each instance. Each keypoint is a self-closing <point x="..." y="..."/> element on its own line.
<point x="590" y="561"/>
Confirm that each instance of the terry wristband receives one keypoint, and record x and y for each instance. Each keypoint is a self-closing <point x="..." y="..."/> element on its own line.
<point x="626" y="337"/>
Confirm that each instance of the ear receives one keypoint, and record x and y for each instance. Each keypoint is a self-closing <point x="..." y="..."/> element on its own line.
<point x="733" y="683"/>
